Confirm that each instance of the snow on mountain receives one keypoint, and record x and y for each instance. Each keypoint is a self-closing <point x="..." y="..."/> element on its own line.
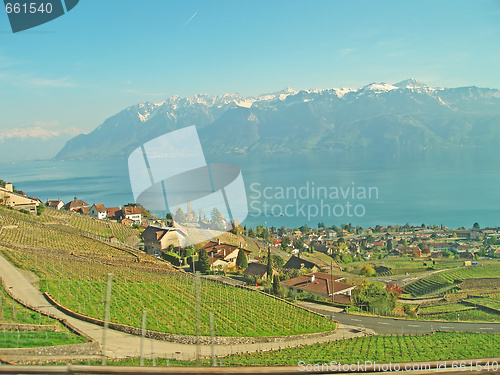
<point x="377" y="88"/>
<point x="405" y="114"/>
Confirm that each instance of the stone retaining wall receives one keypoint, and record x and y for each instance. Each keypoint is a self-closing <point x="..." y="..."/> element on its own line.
<point x="89" y="348"/>
<point x="26" y="327"/>
<point x="184" y="339"/>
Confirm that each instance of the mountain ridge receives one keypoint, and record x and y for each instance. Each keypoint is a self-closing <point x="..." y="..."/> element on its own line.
<point x="406" y="114"/>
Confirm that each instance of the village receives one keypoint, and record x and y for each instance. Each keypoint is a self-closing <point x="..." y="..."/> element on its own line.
<point x="314" y="263"/>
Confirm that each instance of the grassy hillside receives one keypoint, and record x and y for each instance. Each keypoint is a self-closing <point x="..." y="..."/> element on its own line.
<point x="74" y="269"/>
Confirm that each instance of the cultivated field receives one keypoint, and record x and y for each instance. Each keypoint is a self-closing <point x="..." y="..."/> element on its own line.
<point x="73" y="269"/>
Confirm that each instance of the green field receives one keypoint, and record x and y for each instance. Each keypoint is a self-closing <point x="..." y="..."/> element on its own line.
<point x="442" y="282"/>
<point x="453" y="307"/>
<point x="9" y="339"/>
<point x="170" y="302"/>
<point x="380" y="349"/>
<point x="471" y="315"/>
<point x="74" y="269"/>
<point x="13" y="312"/>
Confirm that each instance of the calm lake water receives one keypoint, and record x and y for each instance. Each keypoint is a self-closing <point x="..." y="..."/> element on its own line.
<point x="453" y="187"/>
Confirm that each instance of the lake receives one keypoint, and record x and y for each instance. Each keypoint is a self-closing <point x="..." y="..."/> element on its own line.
<point x="452" y="187"/>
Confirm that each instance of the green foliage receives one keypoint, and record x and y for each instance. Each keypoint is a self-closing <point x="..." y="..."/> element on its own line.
<point x="379" y="349"/>
<point x="389" y="245"/>
<point x="298" y="243"/>
<point x="278" y="262"/>
<point x="241" y="260"/>
<point x="180" y="216"/>
<point x="285" y="241"/>
<point x="203" y="261"/>
<point x="217" y="220"/>
<point x="276" y="285"/>
<point x="39" y="209"/>
<point x="33" y="339"/>
<point x="374" y="297"/>
<point x="368" y="270"/>
<point x="269" y="263"/>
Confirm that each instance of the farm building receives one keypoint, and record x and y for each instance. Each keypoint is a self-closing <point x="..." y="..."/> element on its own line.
<point x="320" y="284"/>
<point x="16" y="200"/>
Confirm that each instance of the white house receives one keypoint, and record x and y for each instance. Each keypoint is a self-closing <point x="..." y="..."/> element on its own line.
<point x="133" y="213"/>
<point x="99" y="211"/>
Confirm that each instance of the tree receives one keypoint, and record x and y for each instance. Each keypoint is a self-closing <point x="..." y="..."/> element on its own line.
<point x="368" y="270"/>
<point x="203" y="261"/>
<point x="276" y="284"/>
<point x="269" y="263"/>
<point x="241" y="260"/>
<point x="285" y="241"/>
<point x="304" y="229"/>
<point x="278" y="262"/>
<point x="217" y="221"/>
<point x="39" y="209"/>
<point x="298" y="243"/>
<point x="180" y="216"/>
<point x="375" y="297"/>
<point x="476" y="226"/>
<point x="389" y="245"/>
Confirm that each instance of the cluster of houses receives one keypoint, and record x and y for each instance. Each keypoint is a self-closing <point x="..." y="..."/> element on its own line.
<point x="127" y="215"/>
<point x="18" y="199"/>
<point x="463" y="242"/>
<point x="223" y="256"/>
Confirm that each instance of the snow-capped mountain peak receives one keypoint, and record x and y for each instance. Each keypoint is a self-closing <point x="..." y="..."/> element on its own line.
<point x="412" y="83"/>
<point x="377" y="88"/>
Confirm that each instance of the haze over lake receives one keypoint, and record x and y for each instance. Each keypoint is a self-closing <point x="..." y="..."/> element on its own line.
<point x="454" y="187"/>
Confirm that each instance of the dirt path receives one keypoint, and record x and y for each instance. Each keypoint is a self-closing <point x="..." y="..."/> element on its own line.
<point x="121" y="345"/>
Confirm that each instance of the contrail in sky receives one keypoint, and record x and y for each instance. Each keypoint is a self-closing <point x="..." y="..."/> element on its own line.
<point x="189" y="20"/>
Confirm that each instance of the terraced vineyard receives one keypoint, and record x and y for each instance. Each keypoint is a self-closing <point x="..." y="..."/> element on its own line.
<point x="74" y="269"/>
<point x="472" y="315"/>
<point x="442" y="282"/>
<point x="89" y="225"/>
<point x="379" y="349"/>
<point x="492" y="303"/>
<point x="429" y="285"/>
<point x="170" y="302"/>
<point x="34" y="339"/>
<point x="13" y="312"/>
<point x="438" y="309"/>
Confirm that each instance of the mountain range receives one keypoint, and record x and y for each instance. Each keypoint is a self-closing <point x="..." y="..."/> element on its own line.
<point x="407" y="114"/>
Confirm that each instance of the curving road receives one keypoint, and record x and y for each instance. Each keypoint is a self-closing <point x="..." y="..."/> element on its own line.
<point x="121" y="345"/>
<point x="391" y="326"/>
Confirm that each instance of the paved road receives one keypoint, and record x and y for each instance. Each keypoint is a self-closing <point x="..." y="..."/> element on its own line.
<point x="120" y="345"/>
<point x="400" y="326"/>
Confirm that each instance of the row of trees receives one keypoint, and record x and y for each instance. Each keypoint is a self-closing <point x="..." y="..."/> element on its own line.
<point x="217" y="220"/>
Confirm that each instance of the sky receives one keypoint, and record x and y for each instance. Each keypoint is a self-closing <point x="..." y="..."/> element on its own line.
<point x="67" y="76"/>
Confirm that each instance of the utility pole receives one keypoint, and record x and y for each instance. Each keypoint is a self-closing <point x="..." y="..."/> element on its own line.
<point x="212" y="339"/>
<point x="197" y="314"/>
<point x="331" y="275"/>
<point x="143" y="334"/>
<point x="106" y="319"/>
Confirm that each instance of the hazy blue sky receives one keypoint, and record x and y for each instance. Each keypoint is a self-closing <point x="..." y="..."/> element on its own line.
<point x="105" y="55"/>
